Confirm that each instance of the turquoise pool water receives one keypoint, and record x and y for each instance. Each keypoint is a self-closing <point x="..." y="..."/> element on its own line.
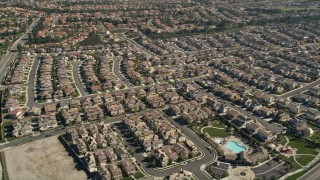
<point x="235" y="147"/>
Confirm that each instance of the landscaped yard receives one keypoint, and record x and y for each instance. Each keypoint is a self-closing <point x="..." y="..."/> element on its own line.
<point x="197" y="128"/>
<point x="282" y="140"/>
<point x="312" y="126"/>
<point x="316" y="136"/>
<point x="217" y="124"/>
<point x="213" y="132"/>
<point x="138" y="175"/>
<point x="304" y="159"/>
<point x="302" y="147"/>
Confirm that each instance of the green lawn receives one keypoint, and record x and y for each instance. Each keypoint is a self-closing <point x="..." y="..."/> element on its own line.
<point x="303" y="147"/>
<point x="218" y="124"/>
<point x="216" y="132"/>
<point x="313" y="126"/>
<point x="315" y="137"/>
<point x="3" y="49"/>
<point x="197" y="128"/>
<point x="304" y="159"/>
<point x="296" y="176"/>
<point x="138" y="175"/>
<point x="283" y="140"/>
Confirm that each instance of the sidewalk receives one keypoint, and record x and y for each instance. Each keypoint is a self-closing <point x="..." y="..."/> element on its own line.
<point x="302" y="168"/>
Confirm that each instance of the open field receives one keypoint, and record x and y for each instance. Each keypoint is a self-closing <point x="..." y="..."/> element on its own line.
<point x="43" y="159"/>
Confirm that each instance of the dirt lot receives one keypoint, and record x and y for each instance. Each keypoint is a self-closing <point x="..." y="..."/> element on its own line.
<point x="45" y="159"/>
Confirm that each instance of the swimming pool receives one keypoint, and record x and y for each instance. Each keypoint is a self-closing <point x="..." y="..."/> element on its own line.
<point x="235" y="147"/>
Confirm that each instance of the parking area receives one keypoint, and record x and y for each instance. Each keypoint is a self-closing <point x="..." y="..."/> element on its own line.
<point x="267" y="166"/>
<point x="220" y="170"/>
<point x="274" y="173"/>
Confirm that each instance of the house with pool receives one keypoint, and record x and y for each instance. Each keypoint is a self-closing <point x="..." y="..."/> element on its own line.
<point x="235" y="151"/>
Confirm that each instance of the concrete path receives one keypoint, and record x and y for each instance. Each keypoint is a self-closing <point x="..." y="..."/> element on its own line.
<point x="314" y="172"/>
<point x="210" y="127"/>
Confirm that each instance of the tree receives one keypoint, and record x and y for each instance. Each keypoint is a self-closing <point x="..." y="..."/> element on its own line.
<point x="153" y="162"/>
<point x="19" y="47"/>
<point x="180" y="158"/>
<point x="222" y="25"/>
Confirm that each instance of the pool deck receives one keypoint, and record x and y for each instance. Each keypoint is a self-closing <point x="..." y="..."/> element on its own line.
<point x="229" y="151"/>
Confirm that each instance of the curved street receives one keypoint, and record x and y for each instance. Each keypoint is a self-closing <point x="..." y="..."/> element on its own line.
<point x="117" y="72"/>
<point x="76" y="78"/>
<point x="193" y="166"/>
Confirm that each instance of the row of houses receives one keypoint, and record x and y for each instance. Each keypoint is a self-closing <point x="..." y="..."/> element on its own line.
<point x="157" y="135"/>
<point x="65" y="86"/>
<point x="21" y="69"/>
<point x="101" y="151"/>
<point x="44" y="84"/>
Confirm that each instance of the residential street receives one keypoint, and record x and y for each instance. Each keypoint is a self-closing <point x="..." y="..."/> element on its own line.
<point x="31" y="99"/>
<point x="117" y="71"/>
<point x="76" y="77"/>
<point x="300" y="90"/>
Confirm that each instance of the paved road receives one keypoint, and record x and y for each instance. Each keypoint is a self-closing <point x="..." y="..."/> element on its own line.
<point x="76" y="78"/>
<point x="193" y="166"/>
<point x="117" y="73"/>
<point x="299" y="90"/>
<point x="313" y="174"/>
<point x="31" y="99"/>
<point x="9" y="58"/>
